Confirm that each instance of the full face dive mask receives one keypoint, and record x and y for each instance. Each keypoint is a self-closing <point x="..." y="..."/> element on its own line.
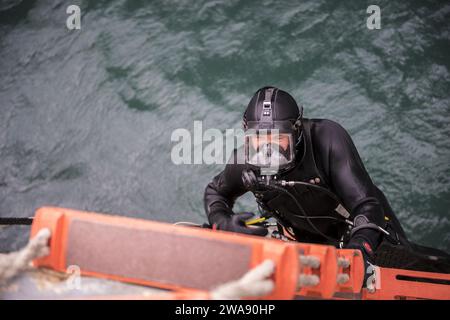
<point x="270" y="144"/>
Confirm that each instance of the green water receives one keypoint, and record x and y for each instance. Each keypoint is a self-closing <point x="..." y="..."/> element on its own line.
<point x="86" y="115"/>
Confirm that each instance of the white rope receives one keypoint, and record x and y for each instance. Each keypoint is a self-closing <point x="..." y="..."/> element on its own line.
<point x="13" y="263"/>
<point x="187" y="223"/>
<point x="310" y="261"/>
<point x="255" y="283"/>
<point x="342" y="278"/>
<point x="342" y="262"/>
<point x="305" y="280"/>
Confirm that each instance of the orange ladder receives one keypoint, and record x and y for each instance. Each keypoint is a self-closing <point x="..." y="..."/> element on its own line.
<point x="192" y="261"/>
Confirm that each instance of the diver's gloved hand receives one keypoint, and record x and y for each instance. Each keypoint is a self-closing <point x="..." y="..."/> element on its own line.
<point x="236" y="223"/>
<point x="362" y="244"/>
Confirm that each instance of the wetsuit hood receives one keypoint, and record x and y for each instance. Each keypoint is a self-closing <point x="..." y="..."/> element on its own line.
<point x="271" y="113"/>
<point x="284" y="106"/>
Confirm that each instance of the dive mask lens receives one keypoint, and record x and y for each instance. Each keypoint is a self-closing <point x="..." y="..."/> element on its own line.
<point x="268" y="148"/>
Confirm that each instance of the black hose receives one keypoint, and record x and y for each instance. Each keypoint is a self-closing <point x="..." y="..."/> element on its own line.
<point x="302" y="211"/>
<point x="11" y="221"/>
<point x="322" y="189"/>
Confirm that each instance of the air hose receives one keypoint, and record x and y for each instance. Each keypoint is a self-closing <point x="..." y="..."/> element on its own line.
<point x="302" y="211"/>
<point x="253" y="183"/>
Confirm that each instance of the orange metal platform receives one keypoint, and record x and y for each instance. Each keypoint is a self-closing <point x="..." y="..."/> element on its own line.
<point x="192" y="261"/>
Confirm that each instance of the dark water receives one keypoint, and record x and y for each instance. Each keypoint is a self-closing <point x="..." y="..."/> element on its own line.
<point x="86" y="116"/>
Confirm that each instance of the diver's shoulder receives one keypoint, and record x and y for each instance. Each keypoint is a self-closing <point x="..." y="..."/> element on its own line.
<point x="326" y="126"/>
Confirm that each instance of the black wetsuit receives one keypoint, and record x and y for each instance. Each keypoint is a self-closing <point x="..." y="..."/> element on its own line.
<point x="327" y="152"/>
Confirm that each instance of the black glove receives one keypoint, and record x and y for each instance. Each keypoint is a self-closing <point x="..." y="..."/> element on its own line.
<point x="236" y="223"/>
<point x="361" y="243"/>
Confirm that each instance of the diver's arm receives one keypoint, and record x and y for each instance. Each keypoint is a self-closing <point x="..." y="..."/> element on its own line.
<point x="223" y="190"/>
<point x="219" y="198"/>
<point x="220" y="195"/>
<point x="352" y="184"/>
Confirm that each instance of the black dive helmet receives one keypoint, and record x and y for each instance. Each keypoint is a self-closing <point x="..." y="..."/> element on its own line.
<point x="273" y="130"/>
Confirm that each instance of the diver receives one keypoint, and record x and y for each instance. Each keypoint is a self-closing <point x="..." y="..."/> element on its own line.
<point x="308" y="175"/>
